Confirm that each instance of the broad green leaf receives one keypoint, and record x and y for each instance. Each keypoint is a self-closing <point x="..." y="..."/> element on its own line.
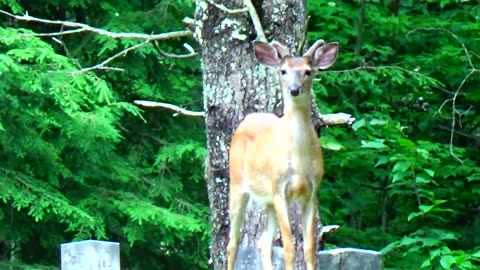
<point x="406" y="241"/>
<point x="382" y="160"/>
<point x="400" y="175"/>
<point x="390" y="247"/>
<point x="378" y="122"/>
<point x="426" y="208"/>
<point x="474" y="177"/>
<point x="414" y="215"/>
<point x="435" y="253"/>
<point x="358" y="124"/>
<point x="426" y="263"/>
<point x="373" y="144"/>
<point x="429" y="172"/>
<point x="406" y="142"/>
<point x="447" y="261"/>
<point x="402" y="166"/>
<point x="421" y="180"/>
<point x="329" y="142"/>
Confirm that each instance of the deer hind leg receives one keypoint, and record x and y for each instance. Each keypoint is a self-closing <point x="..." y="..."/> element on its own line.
<point x="281" y="209"/>
<point x="308" y="220"/>
<point x="266" y="241"/>
<point x="238" y="201"/>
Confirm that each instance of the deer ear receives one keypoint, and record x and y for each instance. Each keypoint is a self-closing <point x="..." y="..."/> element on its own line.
<point x="325" y="56"/>
<point x="270" y="55"/>
<point x="282" y="50"/>
<point x="311" y="51"/>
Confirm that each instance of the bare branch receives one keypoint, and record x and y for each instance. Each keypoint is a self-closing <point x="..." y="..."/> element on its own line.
<point x="168" y="106"/>
<point x="189" y="23"/>
<point x="473" y="70"/>
<point x="454" y="113"/>
<point x="304" y="38"/>
<point x="54" y="34"/>
<point x="86" y="28"/>
<point x="103" y="64"/>
<point x="225" y="9"/>
<point x="177" y="56"/>
<point x="256" y="20"/>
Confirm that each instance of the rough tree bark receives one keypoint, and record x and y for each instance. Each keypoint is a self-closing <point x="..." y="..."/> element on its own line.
<point x="235" y="85"/>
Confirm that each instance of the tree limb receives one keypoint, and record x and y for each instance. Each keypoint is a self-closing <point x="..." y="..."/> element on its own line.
<point x="256" y="20"/>
<point x="168" y="106"/>
<point x="87" y="28"/>
<point x="225" y="9"/>
<point x="191" y="53"/>
<point x="103" y="64"/>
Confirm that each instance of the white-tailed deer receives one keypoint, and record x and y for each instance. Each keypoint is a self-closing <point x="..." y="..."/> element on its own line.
<point x="277" y="160"/>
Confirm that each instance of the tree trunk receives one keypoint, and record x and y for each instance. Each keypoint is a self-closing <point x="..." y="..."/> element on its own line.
<point x="235" y="85"/>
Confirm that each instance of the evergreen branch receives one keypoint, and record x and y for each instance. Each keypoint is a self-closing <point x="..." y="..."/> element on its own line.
<point x="227" y="10"/>
<point x="168" y="106"/>
<point x="87" y="28"/>
<point x="256" y="20"/>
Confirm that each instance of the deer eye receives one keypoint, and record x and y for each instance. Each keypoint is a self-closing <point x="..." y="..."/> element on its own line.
<point x="308" y="72"/>
<point x="283" y="71"/>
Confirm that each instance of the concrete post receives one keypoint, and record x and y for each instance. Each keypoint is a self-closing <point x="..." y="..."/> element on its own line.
<point x="349" y="259"/>
<point x="90" y="255"/>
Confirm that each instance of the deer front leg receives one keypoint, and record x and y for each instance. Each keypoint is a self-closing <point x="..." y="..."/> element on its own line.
<point x="281" y="209"/>
<point x="266" y="241"/>
<point x="308" y="218"/>
<point x="238" y="201"/>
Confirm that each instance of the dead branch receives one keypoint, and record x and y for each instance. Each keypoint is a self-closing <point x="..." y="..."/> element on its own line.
<point x="191" y="53"/>
<point x="225" y="9"/>
<point x="473" y="70"/>
<point x="87" y="28"/>
<point x="256" y="20"/>
<point x="103" y="64"/>
<point x="168" y="106"/>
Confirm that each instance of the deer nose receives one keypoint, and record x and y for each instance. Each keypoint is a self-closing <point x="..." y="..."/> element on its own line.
<point x="295" y="89"/>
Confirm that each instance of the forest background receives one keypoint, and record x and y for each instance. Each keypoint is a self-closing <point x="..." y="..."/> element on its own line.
<point x="78" y="160"/>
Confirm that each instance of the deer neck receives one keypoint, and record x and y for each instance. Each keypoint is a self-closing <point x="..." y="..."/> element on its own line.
<point x="297" y="111"/>
<point x="298" y="123"/>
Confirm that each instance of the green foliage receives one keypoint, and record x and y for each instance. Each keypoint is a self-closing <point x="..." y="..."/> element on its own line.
<point x="399" y="182"/>
<point x="78" y="160"/>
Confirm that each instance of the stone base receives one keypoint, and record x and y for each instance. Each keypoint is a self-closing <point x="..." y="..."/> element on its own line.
<point x="335" y="259"/>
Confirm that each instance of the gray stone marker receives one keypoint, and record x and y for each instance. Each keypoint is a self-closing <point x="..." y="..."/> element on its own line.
<point x="349" y="259"/>
<point x="335" y="259"/>
<point x="90" y="255"/>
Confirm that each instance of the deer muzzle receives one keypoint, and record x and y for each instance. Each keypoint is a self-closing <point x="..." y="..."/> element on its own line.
<point x="295" y="89"/>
